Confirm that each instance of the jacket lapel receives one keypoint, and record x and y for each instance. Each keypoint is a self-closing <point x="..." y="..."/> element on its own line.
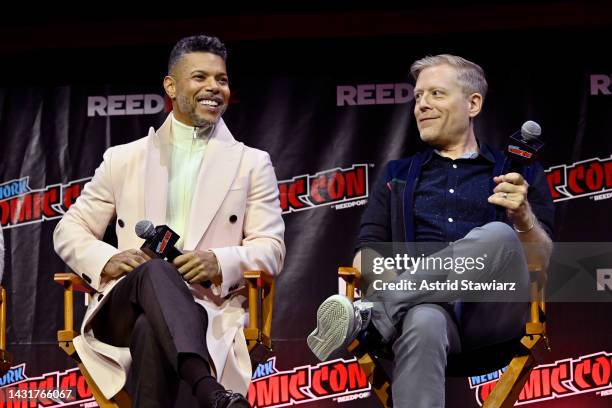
<point x="156" y="173"/>
<point x="218" y="171"/>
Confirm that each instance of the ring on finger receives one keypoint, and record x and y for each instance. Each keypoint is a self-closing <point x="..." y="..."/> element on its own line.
<point x="505" y="196"/>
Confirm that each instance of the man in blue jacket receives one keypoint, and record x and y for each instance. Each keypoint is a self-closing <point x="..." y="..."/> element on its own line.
<point x="465" y="198"/>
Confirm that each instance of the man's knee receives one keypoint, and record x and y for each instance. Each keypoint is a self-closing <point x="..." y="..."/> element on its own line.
<point x="499" y="232"/>
<point x="160" y="264"/>
<point x="495" y="236"/>
<point x="424" y="325"/>
<point x="156" y="267"/>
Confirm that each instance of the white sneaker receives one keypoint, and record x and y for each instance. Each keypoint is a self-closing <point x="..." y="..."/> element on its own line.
<point x="339" y="321"/>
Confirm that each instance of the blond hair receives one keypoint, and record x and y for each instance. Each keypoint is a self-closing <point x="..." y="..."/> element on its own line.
<point x="471" y="76"/>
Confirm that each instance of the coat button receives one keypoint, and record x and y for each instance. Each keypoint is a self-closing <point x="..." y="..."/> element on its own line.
<point x="233" y="218"/>
<point x="121" y="223"/>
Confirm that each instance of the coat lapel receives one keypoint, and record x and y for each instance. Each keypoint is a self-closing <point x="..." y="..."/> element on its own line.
<point x="156" y="173"/>
<point x="218" y="171"/>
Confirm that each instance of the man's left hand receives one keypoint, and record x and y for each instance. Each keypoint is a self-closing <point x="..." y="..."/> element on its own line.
<point x="511" y="193"/>
<point x="198" y="266"/>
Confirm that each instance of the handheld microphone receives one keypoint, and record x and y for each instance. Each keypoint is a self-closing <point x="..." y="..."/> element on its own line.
<point x="524" y="144"/>
<point x="160" y="242"/>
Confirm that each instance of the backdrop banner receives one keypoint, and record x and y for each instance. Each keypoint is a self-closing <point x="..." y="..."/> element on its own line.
<point x="331" y="114"/>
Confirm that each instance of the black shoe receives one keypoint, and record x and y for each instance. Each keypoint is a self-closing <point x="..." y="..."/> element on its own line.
<point x="229" y="399"/>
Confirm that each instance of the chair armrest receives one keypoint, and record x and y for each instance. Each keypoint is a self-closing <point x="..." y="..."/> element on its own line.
<point x="74" y="281"/>
<point x="264" y="275"/>
<point x="71" y="282"/>
<point x="261" y="287"/>
<point x="352" y="277"/>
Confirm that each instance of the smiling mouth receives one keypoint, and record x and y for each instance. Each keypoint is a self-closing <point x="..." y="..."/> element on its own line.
<point x="210" y="103"/>
<point x="426" y="120"/>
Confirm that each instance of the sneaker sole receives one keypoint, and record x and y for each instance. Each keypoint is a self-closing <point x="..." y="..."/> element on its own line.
<point x="334" y="318"/>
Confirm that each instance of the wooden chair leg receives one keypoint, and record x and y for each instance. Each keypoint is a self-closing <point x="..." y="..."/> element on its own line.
<point x="375" y="374"/>
<point x="508" y="388"/>
<point x="65" y="337"/>
<point x="258" y="334"/>
<point x="100" y="398"/>
<point x="6" y="358"/>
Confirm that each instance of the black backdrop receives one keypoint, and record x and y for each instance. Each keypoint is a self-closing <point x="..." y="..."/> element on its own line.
<point x="285" y="102"/>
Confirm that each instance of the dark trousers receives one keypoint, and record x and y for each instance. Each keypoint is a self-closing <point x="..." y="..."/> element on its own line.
<point x="152" y="312"/>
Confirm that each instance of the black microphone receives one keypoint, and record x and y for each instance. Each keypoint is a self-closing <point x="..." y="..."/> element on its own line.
<point x="160" y="242"/>
<point x="524" y="144"/>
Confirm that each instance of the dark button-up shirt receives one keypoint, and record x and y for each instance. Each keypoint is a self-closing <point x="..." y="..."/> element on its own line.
<point x="451" y="197"/>
<point x="412" y="201"/>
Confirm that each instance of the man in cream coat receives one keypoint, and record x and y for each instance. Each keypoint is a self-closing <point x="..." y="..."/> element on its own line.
<point x="152" y="323"/>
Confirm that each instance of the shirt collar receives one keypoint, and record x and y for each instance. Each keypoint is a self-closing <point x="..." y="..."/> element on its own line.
<point x="466" y="155"/>
<point x="183" y="135"/>
<point x="485" y="152"/>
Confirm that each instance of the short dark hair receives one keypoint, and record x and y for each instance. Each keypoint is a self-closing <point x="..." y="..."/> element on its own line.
<point x="196" y="43"/>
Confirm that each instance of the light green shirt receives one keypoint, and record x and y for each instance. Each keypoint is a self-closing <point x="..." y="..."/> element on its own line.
<point x="188" y="145"/>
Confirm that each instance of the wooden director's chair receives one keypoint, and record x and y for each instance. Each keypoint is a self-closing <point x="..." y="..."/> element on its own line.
<point x="260" y="286"/>
<point x="6" y="359"/>
<point x="523" y="354"/>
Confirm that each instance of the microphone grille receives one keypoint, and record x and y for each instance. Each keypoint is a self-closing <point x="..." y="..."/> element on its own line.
<point x="530" y="130"/>
<point x="144" y="229"/>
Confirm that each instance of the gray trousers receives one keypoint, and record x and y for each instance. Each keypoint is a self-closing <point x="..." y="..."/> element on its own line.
<point x="424" y="330"/>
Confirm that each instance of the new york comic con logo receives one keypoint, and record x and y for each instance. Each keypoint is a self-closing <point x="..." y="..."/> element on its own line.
<point x="340" y="188"/>
<point x="563" y="378"/>
<point x="55" y="389"/>
<point x="586" y="178"/>
<point x="20" y="205"/>
<point x="340" y="380"/>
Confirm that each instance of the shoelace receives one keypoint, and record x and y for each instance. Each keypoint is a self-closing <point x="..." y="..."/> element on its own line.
<point x="363" y="311"/>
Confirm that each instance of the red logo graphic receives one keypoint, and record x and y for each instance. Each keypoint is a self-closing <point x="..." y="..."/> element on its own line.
<point x="563" y="378"/>
<point x="332" y="379"/>
<point x="40" y="205"/>
<point x="520" y="152"/>
<point x="591" y="177"/>
<point x="57" y="389"/>
<point x="164" y="242"/>
<point x="327" y="187"/>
